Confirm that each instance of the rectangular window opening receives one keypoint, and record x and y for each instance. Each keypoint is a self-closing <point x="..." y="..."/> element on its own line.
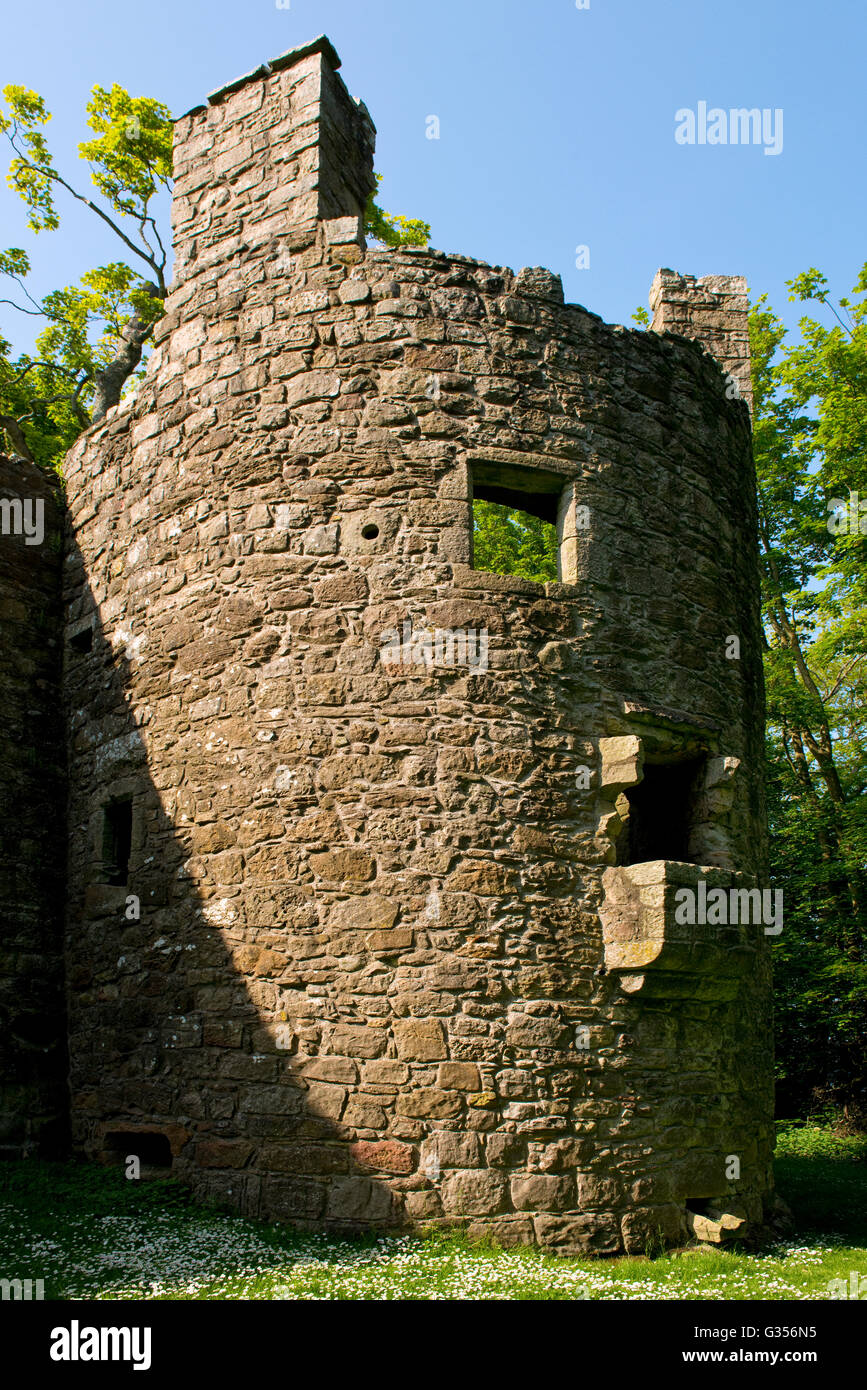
<point x="658" y="813"/>
<point x="82" y="642"/>
<point x="116" y="841"/>
<point x="152" y="1149"/>
<point x="516" y="515"/>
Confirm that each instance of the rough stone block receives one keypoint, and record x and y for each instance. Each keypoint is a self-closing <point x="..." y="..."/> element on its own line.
<point x="420" y="1040"/>
<point x="459" y="1076"/>
<point x="359" y="1200"/>
<point x="540" y="1192"/>
<point x="473" y="1193"/>
<point x="387" y="1154"/>
<point x="578" y="1235"/>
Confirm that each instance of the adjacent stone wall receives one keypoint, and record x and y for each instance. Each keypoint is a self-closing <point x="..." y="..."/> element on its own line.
<point x="713" y="310"/>
<point x="381" y="972"/>
<point x="33" y="1096"/>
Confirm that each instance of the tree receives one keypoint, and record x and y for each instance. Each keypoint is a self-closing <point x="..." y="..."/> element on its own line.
<point x="509" y="541"/>
<point x="97" y="331"/>
<point x="810" y="441"/>
<point x="391" y="228"/>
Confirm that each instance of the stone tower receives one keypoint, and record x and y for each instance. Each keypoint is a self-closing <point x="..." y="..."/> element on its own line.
<point x="375" y="857"/>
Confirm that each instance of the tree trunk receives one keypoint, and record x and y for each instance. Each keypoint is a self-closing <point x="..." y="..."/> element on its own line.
<point x="16" y="436"/>
<point x="111" y="380"/>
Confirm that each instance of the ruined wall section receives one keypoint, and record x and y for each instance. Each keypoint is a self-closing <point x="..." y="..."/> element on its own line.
<point x="714" y="311"/>
<point x="33" y="1097"/>
<point x="274" y="150"/>
<point x="369" y="979"/>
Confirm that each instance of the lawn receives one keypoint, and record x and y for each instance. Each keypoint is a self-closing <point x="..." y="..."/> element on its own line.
<point x="91" y="1234"/>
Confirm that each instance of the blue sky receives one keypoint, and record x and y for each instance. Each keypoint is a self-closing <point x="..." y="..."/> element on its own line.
<point x="557" y="125"/>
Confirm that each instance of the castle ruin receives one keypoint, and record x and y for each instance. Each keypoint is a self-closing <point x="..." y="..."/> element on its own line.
<point x="355" y="931"/>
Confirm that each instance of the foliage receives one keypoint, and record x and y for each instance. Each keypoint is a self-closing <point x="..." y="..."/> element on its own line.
<point x="810" y="442"/>
<point x="95" y="331"/>
<point x="131" y="156"/>
<point x="809" y="1139"/>
<point x="392" y="229"/>
<point x="823" y="1178"/>
<point x="508" y="541"/>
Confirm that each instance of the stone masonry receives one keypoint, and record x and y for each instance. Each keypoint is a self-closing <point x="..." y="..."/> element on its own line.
<point x="34" y="1103"/>
<point x="714" y="310"/>
<point x="358" y="942"/>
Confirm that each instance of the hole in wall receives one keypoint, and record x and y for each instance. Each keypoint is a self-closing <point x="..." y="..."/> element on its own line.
<point x="518" y="516"/>
<point x="34" y="1030"/>
<point x="152" y="1149"/>
<point x="82" y="642"/>
<point x="658" y="813"/>
<point x="369" y="532"/>
<point x="699" y="1206"/>
<point x="116" y="841"/>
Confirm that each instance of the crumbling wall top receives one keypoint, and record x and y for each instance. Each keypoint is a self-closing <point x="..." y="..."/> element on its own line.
<point x="713" y="310"/>
<point x="322" y="45"/>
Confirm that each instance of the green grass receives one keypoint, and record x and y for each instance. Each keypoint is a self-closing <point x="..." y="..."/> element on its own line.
<point x="90" y="1233"/>
<point x="824" y="1180"/>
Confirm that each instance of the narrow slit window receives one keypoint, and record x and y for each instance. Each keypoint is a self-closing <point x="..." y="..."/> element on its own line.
<point x="116" y="841"/>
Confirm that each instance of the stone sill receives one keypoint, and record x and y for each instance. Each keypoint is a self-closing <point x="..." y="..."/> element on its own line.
<point x="465" y="577"/>
<point x="640" y="930"/>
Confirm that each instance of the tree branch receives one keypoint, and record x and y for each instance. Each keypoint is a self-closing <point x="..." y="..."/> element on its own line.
<point x="50" y="173"/>
<point x="109" y="381"/>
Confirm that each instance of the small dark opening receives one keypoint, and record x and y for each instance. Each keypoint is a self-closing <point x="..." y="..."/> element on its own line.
<point x="660" y="812"/>
<point x="370" y="532"/>
<point x="82" y="641"/>
<point x="151" y="1150"/>
<point x="116" y="841"/>
<point x="34" y="1029"/>
<point x="699" y="1205"/>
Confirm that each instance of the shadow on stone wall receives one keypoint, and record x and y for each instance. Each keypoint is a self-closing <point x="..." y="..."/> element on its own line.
<point x="33" y="1099"/>
<point x="178" y="1052"/>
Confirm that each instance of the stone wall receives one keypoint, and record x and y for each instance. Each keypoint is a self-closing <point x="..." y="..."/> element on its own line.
<point x="713" y="310"/>
<point x="33" y="1096"/>
<point x="280" y="148"/>
<point x="392" y="962"/>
